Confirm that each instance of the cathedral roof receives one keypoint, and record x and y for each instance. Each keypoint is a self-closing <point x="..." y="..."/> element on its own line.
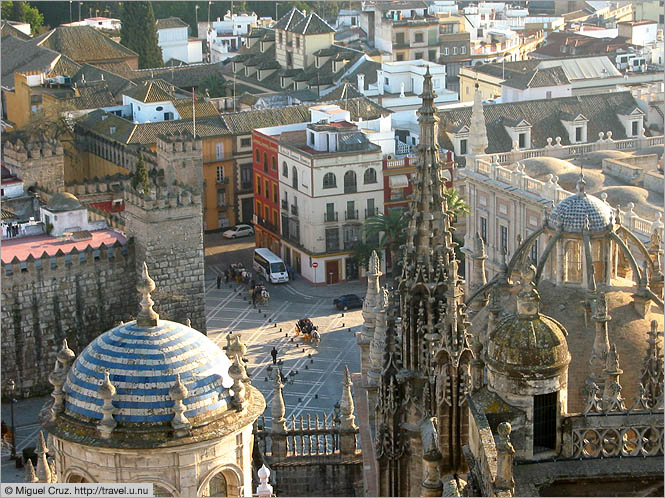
<point x="573" y="213"/>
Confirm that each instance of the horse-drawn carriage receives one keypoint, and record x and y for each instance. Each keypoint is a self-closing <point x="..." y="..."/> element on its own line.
<point x="262" y="295"/>
<point x="309" y="331"/>
<point x="238" y="273"/>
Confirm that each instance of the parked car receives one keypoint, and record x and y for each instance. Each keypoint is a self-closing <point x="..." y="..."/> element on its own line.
<point x="239" y="231"/>
<point x="348" y="301"/>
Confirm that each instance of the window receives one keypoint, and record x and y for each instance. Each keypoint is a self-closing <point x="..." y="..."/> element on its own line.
<point x="350" y="182"/>
<point x="504" y="239"/>
<point x="265" y="162"/>
<point x="294" y="178"/>
<point x="578" y="134"/>
<point x="533" y="254"/>
<point x="258" y="185"/>
<point x="454" y="50"/>
<point x="329" y="180"/>
<point x="400" y="57"/>
<point x="387" y="81"/>
<point x="522" y="140"/>
<point x="332" y="239"/>
<point x="483" y="229"/>
<point x="245" y="177"/>
<point x="220" y="174"/>
<point x="634" y="128"/>
<point x="273" y="163"/>
<point x="548" y="94"/>
<point x="274" y="193"/>
<point x="371" y="210"/>
<point x="544" y="421"/>
<point x="280" y="38"/>
<point x="285" y="169"/>
<point x="310" y="138"/>
<point x="351" y="212"/>
<point x="431" y="55"/>
<point x="246" y="142"/>
<point x="572" y="262"/>
<point x="297" y="42"/>
<point x="419" y="38"/>
<point x="258" y="155"/>
<point x="445" y="51"/>
<point x="221" y="198"/>
<point x="399" y="38"/>
<point x="219" y="150"/>
<point x="462" y="146"/>
<point x="370" y="176"/>
<point x="463" y="49"/>
<point x="266" y="192"/>
<point x="419" y="55"/>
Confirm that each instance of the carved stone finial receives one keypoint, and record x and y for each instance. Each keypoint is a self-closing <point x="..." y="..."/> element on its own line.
<point x="147" y="316"/>
<point x="237" y="373"/>
<point x="30" y="476"/>
<point x="528" y="299"/>
<point x="180" y="423"/>
<point x="107" y="392"/>
<point x="612" y="399"/>
<point x="581" y="185"/>
<point x="66" y="355"/>
<point x="43" y="468"/>
<point x="277" y="407"/>
<point x="346" y="402"/>
<point x="264" y="489"/>
<point x="593" y="401"/>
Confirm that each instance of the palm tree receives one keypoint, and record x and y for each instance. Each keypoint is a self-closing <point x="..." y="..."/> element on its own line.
<point x="457" y="205"/>
<point x="391" y="228"/>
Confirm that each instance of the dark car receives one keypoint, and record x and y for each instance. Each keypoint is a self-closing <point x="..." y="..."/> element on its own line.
<point x="348" y="301"/>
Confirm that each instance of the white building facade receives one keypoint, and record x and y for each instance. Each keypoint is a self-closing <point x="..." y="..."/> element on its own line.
<point x="225" y="36"/>
<point x="173" y="39"/>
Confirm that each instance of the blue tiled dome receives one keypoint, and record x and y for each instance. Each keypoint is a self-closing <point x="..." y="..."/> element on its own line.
<point x="143" y="363"/>
<point x="572" y="213"/>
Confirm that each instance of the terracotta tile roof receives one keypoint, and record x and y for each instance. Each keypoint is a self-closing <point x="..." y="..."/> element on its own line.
<point x="8" y="30"/>
<point x="120" y="68"/>
<point x="189" y="76"/>
<point x="171" y="22"/>
<point x="22" y="56"/>
<point x="545" y="118"/>
<point x="290" y="19"/>
<point x="83" y="44"/>
<point x="552" y="76"/>
<point x="204" y="109"/>
<point x="149" y="91"/>
<point x="577" y="44"/>
<point x="311" y="25"/>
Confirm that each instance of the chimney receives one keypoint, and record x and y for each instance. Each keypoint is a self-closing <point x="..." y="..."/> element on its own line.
<point x="361" y="83"/>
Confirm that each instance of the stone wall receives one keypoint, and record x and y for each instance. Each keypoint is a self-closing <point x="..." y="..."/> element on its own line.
<point x="324" y="478"/>
<point x="167" y="226"/>
<point x="36" y="163"/>
<point x="45" y="300"/>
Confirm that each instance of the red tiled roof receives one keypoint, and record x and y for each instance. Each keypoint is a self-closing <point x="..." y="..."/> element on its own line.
<point x="109" y="206"/>
<point x="38" y="244"/>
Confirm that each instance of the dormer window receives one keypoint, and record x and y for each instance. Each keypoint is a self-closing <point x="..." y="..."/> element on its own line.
<point x="461" y="140"/>
<point x="576" y="126"/>
<point x="520" y="133"/>
<point x="632" y="120"/>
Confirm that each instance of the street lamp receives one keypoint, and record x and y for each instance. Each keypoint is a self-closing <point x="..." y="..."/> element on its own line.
<point x="11" y="385"/>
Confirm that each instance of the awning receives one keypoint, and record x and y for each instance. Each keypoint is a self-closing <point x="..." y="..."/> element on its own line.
<point x="399" y="181"/>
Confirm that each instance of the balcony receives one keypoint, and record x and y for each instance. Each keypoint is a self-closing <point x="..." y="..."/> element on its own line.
<point x="332" y="245"/>
<point x="351" y="214"/>
<point x="294" y="210"/>
<point x="285" y="204"/>
<point x="330" y="217"/>
<point x="223" y="181"/>
<point x="267" y="224"/>
<point x="369" y="212"/>
<point x="246" y="186"/>
<point x="350" y="188"/>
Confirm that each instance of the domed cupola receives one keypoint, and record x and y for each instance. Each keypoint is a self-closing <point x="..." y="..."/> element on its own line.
<point x="528" y="344"/>
<point x="573" y="213"/>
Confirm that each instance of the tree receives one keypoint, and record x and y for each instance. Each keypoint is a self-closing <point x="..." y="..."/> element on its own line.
<point x="140" y="180"/>
<point x="214" y="85"/>
<point x="457" y="205"/>
<point x="139" y="33"/>
<point x="362" y="252"/>
<point x="392" y="230"/>
<point x="23" y="12"/>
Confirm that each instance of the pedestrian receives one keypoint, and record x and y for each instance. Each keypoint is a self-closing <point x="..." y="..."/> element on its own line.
<point x="254" y="295"/>
<point x="252" y="284"/>
<point x="273" y="353"/>
<point x="219" y="280"/>
<point x="226" y="277"/>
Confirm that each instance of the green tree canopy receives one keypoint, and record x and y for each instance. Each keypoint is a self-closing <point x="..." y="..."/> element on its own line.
<point x="139" y="33"/>
<point x="140" y="180"/>
<point x="23" y="12"/>
<point x="214" y="86"/>
<point x="456" y="203"/>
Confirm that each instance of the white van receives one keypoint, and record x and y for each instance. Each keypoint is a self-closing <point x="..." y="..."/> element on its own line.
<point x="270" y="266"/>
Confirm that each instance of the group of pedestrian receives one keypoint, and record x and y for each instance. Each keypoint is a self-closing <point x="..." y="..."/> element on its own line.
<point x="11" y="230"/>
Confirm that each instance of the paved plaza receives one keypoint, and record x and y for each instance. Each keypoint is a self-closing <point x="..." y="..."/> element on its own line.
<point x="316" y="387"/>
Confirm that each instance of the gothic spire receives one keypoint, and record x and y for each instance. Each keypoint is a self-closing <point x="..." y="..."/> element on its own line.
<point x="477" y="129"/>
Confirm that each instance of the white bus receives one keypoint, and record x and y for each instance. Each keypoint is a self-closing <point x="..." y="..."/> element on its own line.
<point x="270" y="266"/>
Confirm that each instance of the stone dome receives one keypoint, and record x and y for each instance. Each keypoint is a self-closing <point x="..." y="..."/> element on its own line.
<point x="143" y="363"/>
<point x="572" y="213"/>
<point x="528" y="348"/>
<point x="63" y="201"/>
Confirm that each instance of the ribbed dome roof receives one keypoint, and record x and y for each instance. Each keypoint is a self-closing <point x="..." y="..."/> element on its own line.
<point x="572" y="213"/>
<point x="523" y="347"/>
<point x="143" y="363"/>
<point x="63" y="201"/>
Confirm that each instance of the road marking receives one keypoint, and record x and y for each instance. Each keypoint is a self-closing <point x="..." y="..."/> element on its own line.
<point x="293" y="290"/>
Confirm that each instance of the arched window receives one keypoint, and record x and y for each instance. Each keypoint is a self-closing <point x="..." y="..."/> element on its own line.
<point x="370" y="176"/>
<point x="597" y="255"/>
<point x="265" y="162"/>
<point x="329" y="180"/>
<point x="285" y="169"/>
<point x="294" y="177"/>
<point x="350" y="182"/>
<point x="572" y="265"/>
<point x="258" y="155"/>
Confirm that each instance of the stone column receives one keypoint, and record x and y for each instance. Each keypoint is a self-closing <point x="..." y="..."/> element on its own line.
<point x="601" y="342"/>
<point x="347" y="428"/>
<point x="278" y="428"/>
